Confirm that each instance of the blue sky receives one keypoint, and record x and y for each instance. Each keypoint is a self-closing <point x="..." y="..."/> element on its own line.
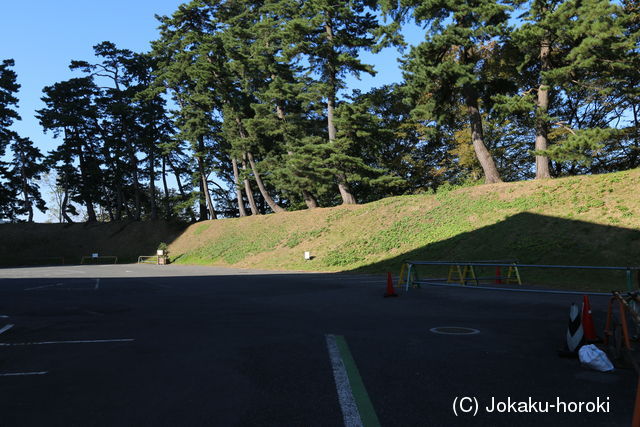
<point x="43" y="36"/>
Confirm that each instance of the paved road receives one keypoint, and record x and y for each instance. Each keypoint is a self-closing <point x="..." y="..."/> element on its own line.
<point x="175" y="345"/>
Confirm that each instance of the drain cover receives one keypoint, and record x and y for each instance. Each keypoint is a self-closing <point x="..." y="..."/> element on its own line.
<point x="454" y="330"/>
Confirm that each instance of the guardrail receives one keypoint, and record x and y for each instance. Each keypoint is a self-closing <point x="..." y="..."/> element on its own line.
<point x="464" y="267"/>
<point x="96" y="259"/>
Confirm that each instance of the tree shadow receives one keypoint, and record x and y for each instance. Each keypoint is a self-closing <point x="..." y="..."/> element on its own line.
<point x="55" y="244"/>
<point x="534" y="239"/>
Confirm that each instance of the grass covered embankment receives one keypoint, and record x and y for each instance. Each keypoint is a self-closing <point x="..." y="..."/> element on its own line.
<point x="588" y="220"/>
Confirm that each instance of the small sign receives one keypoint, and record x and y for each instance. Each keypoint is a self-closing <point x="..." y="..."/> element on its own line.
<point x="307" y="255"/>
<point x="94" y="255"/>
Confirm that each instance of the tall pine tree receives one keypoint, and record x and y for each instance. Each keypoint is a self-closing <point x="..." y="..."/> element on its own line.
<point x="448" y="66"/>
<point x="330" y="35"/>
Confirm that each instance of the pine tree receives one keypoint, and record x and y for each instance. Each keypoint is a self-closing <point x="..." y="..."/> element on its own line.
<point x="155" y="129"/>
<point x="71" y="113"/>
<point x="8" y="114"/>
<point x="389" y="138"/>
<point x="244" y="75"/>
<point x="19" y="192"/>
<point x="129" y="125"/>
<point x="448" y="65"/>
<point x="570" y="56"/>
<point x="330" y="35"/>
<point x="25" y="169"/>
<point x="254" y="39"/>
<point x="628" y="87"/>
<point x="184" y="69"/>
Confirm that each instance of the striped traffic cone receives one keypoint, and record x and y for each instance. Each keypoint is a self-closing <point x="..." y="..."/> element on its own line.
<point x="575" y="333"/>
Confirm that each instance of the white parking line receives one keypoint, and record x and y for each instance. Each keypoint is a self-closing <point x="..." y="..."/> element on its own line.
<point x="10" y="344"/>
<point x="5" y="328"/>
<point x="44" y="286"/>
<point x="350" y="412"/>
<point x="97" y="284"/>
<point x="22" y="374"/>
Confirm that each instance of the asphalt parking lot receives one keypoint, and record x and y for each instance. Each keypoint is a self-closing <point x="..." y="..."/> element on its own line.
<point x="153" y="345"/>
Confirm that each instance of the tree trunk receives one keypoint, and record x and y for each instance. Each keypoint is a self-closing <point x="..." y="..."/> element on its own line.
<point x="263" y="191"/>
<point x="248" y="191"/>
<point x="489" y="168"/>
<point x="117" y="179"/>
<point x="119" y="203"/>
<point x="331" y="105"/>
<point x="27" y="201"/>
<point x="267" y="198"/>
<point x="25" y="188"/>
<point x="183" y="195"/>
<point x="236" y="182"/>
<point x="91" y="213"/>
<point x="110" y="212"/>
<point x="202" y="204"/>
<point x="152" y="185"/>
<point x="343" y="184"/>
<point x="136" y="186"/>
<point x="205" y="188"/>
<point x="63" y="210"/>
<point x="633" y="158"/>
<point x="202" y="198"/>
<point x="165" y="188"/>
<point x="542" y="125"/>
<point x="309" y="199"/>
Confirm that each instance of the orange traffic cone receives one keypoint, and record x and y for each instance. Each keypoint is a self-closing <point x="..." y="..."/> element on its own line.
<point x="587" y="321"/>
<point x="390" y="291"/>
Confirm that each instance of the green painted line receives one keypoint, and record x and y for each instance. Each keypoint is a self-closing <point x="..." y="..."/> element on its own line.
<point x="365" y="407"/>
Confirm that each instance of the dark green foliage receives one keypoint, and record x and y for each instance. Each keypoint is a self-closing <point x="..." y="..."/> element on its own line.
<point x="453" y="66"/>
<point x="8" y="103"/>
<point x="130" y="126"/>
<point x="242" y="107"/>
<point x="18" y="191"/>
<point x="72" y="115"/>
<point x="25" y="168"/>
<point x="329" y="36"/>
<point x="591" y="53"/>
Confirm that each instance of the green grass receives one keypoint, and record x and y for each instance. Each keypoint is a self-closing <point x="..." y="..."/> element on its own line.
<point x="590" y="220"/>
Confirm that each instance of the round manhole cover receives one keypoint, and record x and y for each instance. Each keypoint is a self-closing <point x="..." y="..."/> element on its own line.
<point x="454" y="330"/>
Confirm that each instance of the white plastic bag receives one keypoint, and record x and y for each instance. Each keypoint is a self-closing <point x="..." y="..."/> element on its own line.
<point x="594" y="358"/>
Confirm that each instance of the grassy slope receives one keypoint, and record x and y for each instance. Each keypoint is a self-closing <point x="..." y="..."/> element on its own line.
<point x="23" y="244"/>
<point x="590" y="220"/>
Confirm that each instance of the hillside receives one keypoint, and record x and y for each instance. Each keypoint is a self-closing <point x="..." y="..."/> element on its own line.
<point x="30" y="244"/>
<point x="587" y="220"/>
